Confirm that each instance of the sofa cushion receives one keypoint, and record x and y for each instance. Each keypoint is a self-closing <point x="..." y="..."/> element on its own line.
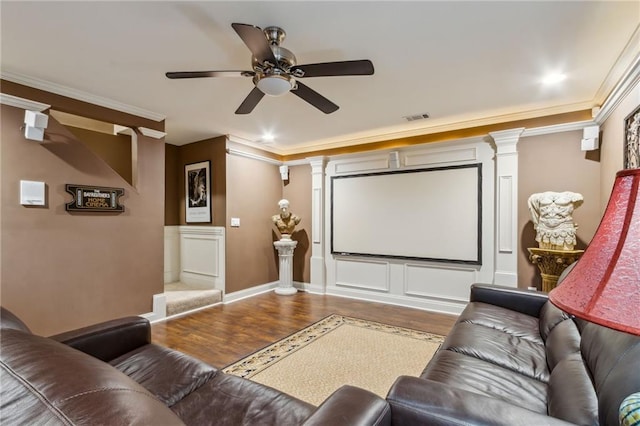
<point x="506" y="320"/>
<point x="550" y="317"/>
<point x="231" y="400"/>
<point x="475" y="375"/>
<point x="500" y="348"/>
<point x="563" y="341"/>
<point x="571" y="393"/>
<point x="46" y="382"/>
<point x="613" y="359"/>
<point x="9" y="320"/>
<point x="169" y="375"/>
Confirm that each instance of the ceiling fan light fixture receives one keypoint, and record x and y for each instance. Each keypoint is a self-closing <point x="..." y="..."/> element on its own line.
<point x="275" y="85"/>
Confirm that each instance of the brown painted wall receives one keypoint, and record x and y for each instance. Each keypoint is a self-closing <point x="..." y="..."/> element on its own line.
<point x="60" y="270"/>
<point x="555" y="163"/>
<point x="172" y="189"/>
<point x="213" y="150"/>
<point x="298" y="191"/>
<point x="253" y="191"/>
<point x="114" y="149"/>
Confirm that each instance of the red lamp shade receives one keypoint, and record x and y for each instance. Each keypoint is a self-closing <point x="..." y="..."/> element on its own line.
<point x="604" y="286"/>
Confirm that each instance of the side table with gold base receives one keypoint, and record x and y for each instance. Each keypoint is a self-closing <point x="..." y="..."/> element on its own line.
<point x="551" y="263"/>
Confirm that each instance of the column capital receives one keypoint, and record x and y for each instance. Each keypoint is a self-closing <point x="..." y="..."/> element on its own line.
<point x="506" y="140"/>
<point x="317" y="163"/>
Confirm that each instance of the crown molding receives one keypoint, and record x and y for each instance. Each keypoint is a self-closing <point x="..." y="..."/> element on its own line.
<point x="557" y="128"/>
<point x="80" y="95"/>
<point x="156" y="134"/>
<point x="627" y="83"/>
<point x="252" y="156"/>
<point x="25" y="104"/>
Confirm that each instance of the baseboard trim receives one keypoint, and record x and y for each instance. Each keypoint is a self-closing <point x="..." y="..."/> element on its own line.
<point x="308" y="287"/>
<point x="248" y="292"/>
<point x="185" y="313"/>
<point x="440" y="306"/>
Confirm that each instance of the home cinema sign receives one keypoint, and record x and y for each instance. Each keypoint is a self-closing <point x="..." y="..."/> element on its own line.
<point x="94" y="199"/>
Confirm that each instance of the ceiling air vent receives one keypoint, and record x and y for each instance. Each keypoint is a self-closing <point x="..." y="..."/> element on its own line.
<point x="416" y="117"/>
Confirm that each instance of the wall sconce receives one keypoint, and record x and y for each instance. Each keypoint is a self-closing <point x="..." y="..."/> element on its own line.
<point x="34" y="125"/>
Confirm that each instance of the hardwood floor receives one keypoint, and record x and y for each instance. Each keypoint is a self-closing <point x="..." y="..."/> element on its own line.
<point x="224" y="334"/>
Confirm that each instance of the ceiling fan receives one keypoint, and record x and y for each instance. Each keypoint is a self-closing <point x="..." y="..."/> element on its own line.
<point x="275" y="71"/>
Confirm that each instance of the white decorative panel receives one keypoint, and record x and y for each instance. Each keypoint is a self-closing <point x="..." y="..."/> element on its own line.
<point x="202" y="256"/>
<point x="364" y="274"/>
<point x="505" y="214"/>
<point x="356" y="166"/>
<point x="436" y="157"/>
<point x="316" y="206"/>
<point x="171" y="254"/>
<point x="449" y="283"/>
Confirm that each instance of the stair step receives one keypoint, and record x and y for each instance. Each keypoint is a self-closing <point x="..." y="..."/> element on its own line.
<point x="182" y="297"/>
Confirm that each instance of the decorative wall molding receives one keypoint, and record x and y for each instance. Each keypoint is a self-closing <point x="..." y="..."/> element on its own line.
<point x="557" y="128"/>
<point x="240" y="153"/>
<point x="171" y="254"/>
<point x="424" y="158"/>
<point x="317" y="263"/>
<point x="202" y="256"/>
<point x="249" y="292"/>
<point x="155" y="134"/>
<point x="80" y="95"/>
<point x="379" y="162"/>
<point x="364" y="274"/>
<point x="25" y="104"/>
<point x="626" y="84"/>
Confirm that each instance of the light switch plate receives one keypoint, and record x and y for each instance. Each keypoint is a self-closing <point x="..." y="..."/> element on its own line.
<point x="32" y="193"/>
<point x="235" y="222"/>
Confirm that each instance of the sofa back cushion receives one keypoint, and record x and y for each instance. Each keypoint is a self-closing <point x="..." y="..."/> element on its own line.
<point x="571" y="394"/>
<point x="9" y="321"/>
<point x="46" y="382"/>
<point x="613" y="359"/>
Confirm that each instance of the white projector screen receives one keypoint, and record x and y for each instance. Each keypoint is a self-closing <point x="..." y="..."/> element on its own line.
<point x="428" y="214"/>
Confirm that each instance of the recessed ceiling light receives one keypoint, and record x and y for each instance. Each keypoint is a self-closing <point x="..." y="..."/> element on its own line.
<point x="554" y="78"/>
<point x="268" y="137"/>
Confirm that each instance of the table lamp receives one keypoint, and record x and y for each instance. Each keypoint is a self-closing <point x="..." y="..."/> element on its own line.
<point x="604" y="286"/>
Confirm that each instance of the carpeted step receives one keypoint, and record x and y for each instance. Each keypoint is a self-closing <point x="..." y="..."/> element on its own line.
<point x="183" y="297"/>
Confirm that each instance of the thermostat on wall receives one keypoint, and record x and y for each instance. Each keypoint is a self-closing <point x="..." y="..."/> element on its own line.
<point x="31" y="193"/>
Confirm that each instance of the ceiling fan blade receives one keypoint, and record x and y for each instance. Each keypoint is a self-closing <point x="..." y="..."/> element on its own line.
<point x="314" y="98"/>
<point x="250" y="101"/>
<point x="329" y="69"/>
<point x="257" y="42"/>
<point x="200" y="74"/>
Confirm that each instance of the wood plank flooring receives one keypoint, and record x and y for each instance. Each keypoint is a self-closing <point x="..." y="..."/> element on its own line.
<point x="224" y="334"/>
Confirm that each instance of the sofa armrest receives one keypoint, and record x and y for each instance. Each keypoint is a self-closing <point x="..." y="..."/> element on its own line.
<point x="110" y="339"/>
<point x="419" y="401"/>
<point x="524" y="301"/>
<point x="351" y="406"/>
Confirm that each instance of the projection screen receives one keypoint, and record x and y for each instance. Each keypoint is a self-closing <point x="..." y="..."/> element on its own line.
<point x="430" y="214"/>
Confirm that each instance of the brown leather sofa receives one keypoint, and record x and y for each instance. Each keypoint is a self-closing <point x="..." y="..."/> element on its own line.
<point x="111" y="374"/>
<point x="512" y="358"/>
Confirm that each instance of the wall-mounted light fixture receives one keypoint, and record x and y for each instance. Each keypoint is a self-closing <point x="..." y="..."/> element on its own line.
<point x="34" y="125"/>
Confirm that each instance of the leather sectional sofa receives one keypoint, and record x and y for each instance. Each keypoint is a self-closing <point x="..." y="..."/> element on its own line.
<point x="513" y="358"/>
<point x="110" y="374"/>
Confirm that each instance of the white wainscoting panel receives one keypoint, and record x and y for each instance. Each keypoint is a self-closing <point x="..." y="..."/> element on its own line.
<point x="432" y="157"/>
<point x="363" y="274"/>
<point x="171" y="254"/>
<point x="202" y="256"/>
<point x="362" y="164"/>
<point x="446" y="283"/>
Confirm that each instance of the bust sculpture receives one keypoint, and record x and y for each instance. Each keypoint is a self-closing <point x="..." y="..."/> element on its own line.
<point x="285" y="221"/>
<point x="552" y="219"/>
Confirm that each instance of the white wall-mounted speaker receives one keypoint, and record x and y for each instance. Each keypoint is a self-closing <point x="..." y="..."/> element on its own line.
<point x="284" y="172"/>
<point x="590" y="138"/>
<point x="34" y="124"/>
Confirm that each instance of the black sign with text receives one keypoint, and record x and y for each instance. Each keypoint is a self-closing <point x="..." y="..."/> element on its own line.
<point x="94" y="199"/>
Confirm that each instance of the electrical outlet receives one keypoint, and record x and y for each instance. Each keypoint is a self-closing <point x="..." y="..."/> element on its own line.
<point x="235" y="222"/>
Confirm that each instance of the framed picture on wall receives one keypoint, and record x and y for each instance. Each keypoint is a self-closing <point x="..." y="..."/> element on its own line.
<point x="197" y="178"/>
<point x="632" y="140"/>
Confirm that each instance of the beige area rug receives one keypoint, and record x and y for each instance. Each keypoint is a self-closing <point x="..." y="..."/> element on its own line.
<point x="339" y="350"/>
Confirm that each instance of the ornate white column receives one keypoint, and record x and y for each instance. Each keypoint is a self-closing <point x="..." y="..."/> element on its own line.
<point x="285" y="249"/>
<point x="317" y="222"/>
<point x="506" y="267"/>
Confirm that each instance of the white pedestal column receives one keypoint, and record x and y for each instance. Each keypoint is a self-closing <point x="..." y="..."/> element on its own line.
<point x="285" y="249"/>
<point x="317" y="224"/>
<point x="506" y="267"/>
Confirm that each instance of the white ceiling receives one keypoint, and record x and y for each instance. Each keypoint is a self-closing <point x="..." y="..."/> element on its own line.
<point x="457" y="61"/>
